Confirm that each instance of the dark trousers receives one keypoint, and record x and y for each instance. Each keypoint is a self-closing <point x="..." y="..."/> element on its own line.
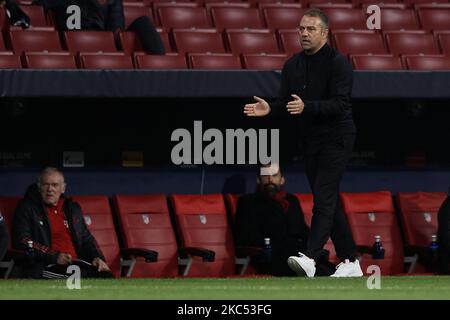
<point x="148" y="35"/>
<point x="325" y="165"/>
<point x="58" y="271"/>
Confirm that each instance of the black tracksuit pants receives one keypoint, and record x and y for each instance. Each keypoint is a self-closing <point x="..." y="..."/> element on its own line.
<point x="325" y="165"/>
<point x="148" y="35"/>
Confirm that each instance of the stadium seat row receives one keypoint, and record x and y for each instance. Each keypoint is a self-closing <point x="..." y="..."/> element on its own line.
<point x="236" y="16"/>
<point x="196" y="232"/>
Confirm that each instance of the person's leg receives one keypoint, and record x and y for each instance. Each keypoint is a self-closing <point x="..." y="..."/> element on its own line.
<point x="328" y="219"/>
<point x="148" y="35"/>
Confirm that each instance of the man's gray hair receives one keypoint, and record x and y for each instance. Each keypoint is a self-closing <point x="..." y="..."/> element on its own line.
<point x="49" y="170"/>
<point x="315" y="12"/>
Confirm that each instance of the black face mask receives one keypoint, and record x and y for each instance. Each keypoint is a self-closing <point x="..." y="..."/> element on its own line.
<point x="270" y="189"/>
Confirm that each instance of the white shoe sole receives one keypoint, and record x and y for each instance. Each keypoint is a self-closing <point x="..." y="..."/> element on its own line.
<point x="297" y="268"/>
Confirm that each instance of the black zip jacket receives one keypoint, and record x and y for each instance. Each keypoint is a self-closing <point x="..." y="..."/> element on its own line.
<point x="324" y="82"/>
<point x="4" y="237"/>
<point x="30" y="222"/>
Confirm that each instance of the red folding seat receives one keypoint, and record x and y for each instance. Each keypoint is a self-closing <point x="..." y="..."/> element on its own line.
<point x="183" y="17"/>
<point x="201" y="222"/>
<point x="7" y="208"/>
<point x="256" y="41"/>
<point x="283" y="17"/>
<point x="206" y="2"/>
<point x="106" y="61"/>
<point x="98" y="217"/>
<point x="412" y="3"/>
<point x="390" y="4"/>
<point x="4" y="23"/>
<point x="376" y="62"/>
<point x="434" y="17"/>
<point x="264" y="61"/>
<point x="37" y="17"/>
<point x="360" y="42"/>
<point x="418" y="213"/>
<point x="427" y="62"/>
<point x="444" y="41"/>
<point x="214" y="61"/>
<point x="328" y="5"/>
<point x="131" y="43"/>
<point x="131" y="13"/>
<point x="9" y="61"/>
<point x="290" y="41"/>
<point x="411" y="42"/>
<point x="34" y="40"/>
<point x="210" y="5"/>
<point x="168" y="61"/>
<point x="313" y="2"/>
<point x="307" y="203"/>
<point x="237" y="18"/>
<point x="341" y="18"/>
<point x="395" y="19"/>
<point x="90" y="41"/>
<point x="370" y="214"/>
<point x="196" y="41"/>
<point x="53" y="60"/>
<point x="145" y="223"/>
<point x="258" y="3"/>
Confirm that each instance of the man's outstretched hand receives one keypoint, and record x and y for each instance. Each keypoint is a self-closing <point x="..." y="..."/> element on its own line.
<point x="295" y="106"/>
<point x="258" y="109"/>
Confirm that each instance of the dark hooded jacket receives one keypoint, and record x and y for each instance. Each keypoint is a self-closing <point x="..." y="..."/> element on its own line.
<point x="30" y="222"/>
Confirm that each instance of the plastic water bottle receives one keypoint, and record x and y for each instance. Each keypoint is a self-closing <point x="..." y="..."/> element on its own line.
<point x="267" y="250"/>
<point x="377" y="249"/>
<point x="30" y="250"/>
<point x="433" y="249"/>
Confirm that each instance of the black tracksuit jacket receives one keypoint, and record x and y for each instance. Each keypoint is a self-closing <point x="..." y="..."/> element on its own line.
<point x="324" y="82"/>
<point x="30" y="222"/>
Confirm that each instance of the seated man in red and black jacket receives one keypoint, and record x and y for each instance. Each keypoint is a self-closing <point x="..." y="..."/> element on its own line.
<point x="55" y="229"/>
<point x="273" y="213"/>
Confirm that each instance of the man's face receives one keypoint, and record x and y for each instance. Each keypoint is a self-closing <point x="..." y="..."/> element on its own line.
<point x="270" y="184"/>
<point x="312" y="34"/>
<point x="51" y="187"/>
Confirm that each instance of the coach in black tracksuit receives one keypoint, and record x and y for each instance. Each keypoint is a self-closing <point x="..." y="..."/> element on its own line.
<point x="32" y="222"/>
<point x="315" y="95"/>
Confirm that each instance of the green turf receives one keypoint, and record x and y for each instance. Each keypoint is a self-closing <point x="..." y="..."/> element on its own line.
<point x="433" y="287"/>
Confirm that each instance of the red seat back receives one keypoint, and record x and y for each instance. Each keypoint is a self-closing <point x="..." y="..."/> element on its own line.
<point x="363" y="42"/>
<point x="168" y="61"/>
<point x="54" y="60"/>
<point x="376" y="62"/>
<point x="202" y="222"/>
<point x="370" y="214"/>
<point x="145" y="223"/>
<point x="106" y="61"/>
<point x="244" y="42"/>
<point x="427" y="62"/>
<point x="7" y="208"/>
<point x="197" y="41"/>
<point x="34" y="40"/>
<point x="397" y="19"/>
<point x="264" y="61"/>
<point x="90" y="41"/>
<point x="98" y="217"/>
<point x="214" y="61"/>
<point x="411" y="43"/>
<point x="283" y="18"/>
<point x="236" y="18"/>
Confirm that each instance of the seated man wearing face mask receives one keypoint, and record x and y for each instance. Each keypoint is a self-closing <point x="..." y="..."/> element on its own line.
<point x="273" y="213"/>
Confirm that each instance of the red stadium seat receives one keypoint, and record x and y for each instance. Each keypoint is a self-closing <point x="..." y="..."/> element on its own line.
<point x="383" y="5"/>
<point x="145" y="223"/>
<point x="341" y="18"/>
<point x="237" y="18"/>
<point x="2" y="43"/>
<point x="427" y="62"/>
<point x="444" y="41"/>
<point x="396" y="19"/>
<point x="90" y="41"/>
<point x="183" y="17"/>
<point x="7" y="208"/>
<point x="54" y="60"/>
<point x="214" y="61"/>
<point x="370" y="214"/>
<point x="361" y="42"/>
<point x="256" y="3"/>
<point x="105" y="61"/>
<point x="290" y="41"/>
<point x="34" y="40"/>
<point x="258" y="41"/>
<point x="168" y="61"/>
<point x="201" y="222"/>
<point x="434" y="17"/>
<point x="264" y="61"/>
<point x="132" y="13"/>
<point x="306" y="202"/>
<point x="328" y="5"/>
<point x="98" y="217"/>
<point x="418" y="213"/>
<point x="201" y="40"/>
<point x="231" y="203"/>
<point x="210" y="5"/>
<point x="37" y="17"/>
<point x="4" y="23"/>
<point x="9" y="61"/>
<point x="376" y="62"/>
<point x="283" y="17"/>
<point x="131" y="43"/>
<point x="411" y="3"/>
<point x="411" y="42"/>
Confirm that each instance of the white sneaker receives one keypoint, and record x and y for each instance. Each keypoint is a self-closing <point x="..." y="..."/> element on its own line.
<point x="302" y="265"/>
<point x="348" y="269"/>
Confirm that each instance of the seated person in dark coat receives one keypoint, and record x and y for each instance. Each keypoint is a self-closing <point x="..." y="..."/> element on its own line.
<point x="273" y="213"/>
